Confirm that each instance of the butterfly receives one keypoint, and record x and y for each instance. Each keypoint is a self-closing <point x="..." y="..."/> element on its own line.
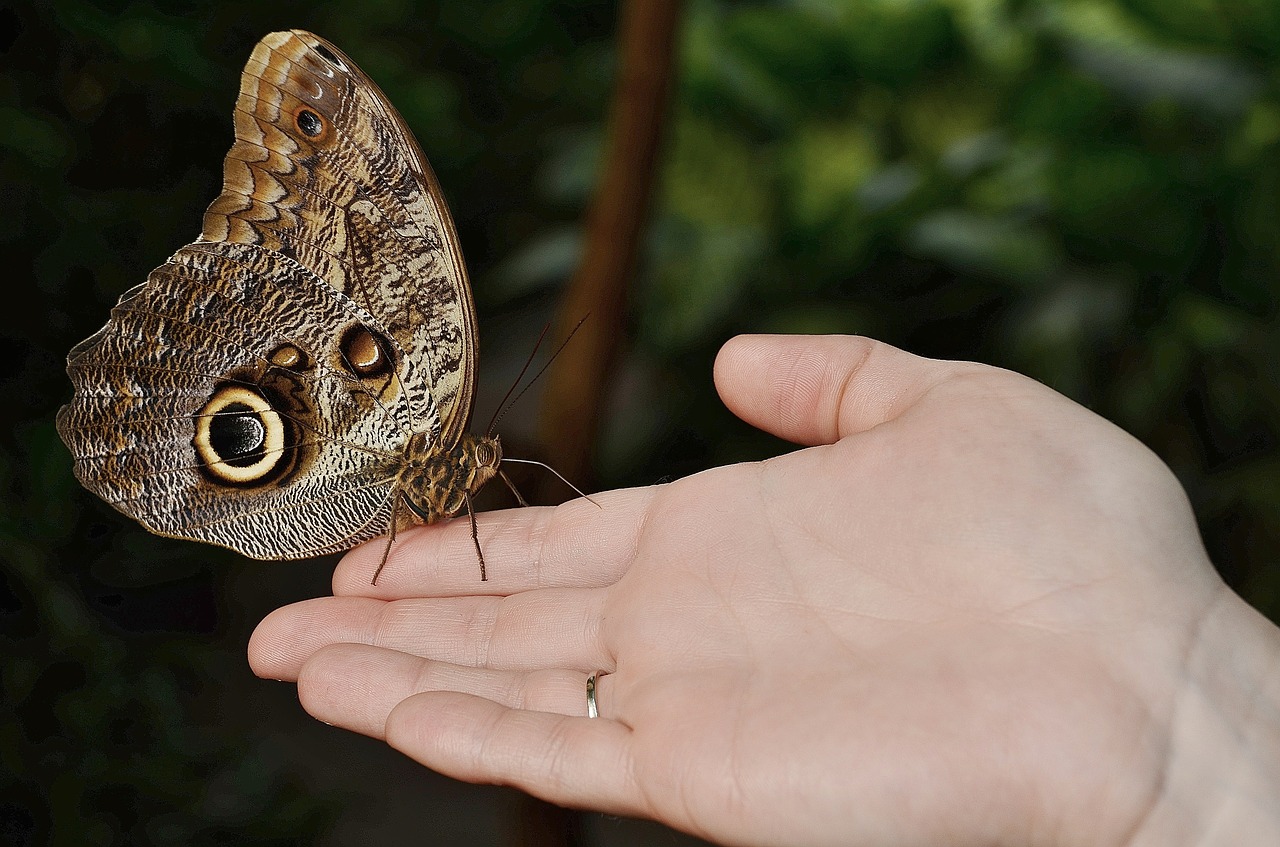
<point x="300" y="378"/>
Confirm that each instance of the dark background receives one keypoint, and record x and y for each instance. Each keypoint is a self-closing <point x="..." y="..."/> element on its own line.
<point x="1087" y="192"/>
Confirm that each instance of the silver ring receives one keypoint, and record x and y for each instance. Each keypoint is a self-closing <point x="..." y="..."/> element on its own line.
<point x="592" y="711"/>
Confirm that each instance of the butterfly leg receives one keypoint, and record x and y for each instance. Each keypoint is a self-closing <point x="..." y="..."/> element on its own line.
<point x="391" y="539"/>
<point x="519" y="498"/>
<point x="475" y="537"/>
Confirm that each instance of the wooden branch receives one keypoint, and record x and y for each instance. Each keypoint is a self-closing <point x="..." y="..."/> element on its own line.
<point x="577" y="384"/>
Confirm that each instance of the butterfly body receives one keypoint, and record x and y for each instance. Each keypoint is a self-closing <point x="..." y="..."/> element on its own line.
<point x="435" y="483"/>
<point x="282" y="384"/>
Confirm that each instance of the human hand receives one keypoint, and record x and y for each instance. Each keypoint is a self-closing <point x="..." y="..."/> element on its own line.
<point x="972" y="613"/>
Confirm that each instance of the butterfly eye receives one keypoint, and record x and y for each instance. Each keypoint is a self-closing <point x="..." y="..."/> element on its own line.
<point x="486" y="455"/>
<point x="365" y="353"/>
<point x="240" y="438"/>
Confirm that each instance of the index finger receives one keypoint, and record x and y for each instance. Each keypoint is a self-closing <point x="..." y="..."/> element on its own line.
<point x="576" y="544"/>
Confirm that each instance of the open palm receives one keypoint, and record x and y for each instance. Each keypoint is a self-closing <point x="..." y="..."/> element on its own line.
<point x="955" y="618"/>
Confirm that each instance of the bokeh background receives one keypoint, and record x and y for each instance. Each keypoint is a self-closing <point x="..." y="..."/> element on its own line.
<point x="1087" y="192"/>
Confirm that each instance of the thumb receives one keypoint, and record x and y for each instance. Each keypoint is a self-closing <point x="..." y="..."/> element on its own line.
<point x="816" y="389"/>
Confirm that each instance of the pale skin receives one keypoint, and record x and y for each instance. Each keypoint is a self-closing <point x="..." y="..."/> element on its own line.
<point x="969" y="612"/>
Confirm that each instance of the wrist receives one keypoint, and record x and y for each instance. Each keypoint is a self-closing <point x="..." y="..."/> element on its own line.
<point x="1221" y="781"/>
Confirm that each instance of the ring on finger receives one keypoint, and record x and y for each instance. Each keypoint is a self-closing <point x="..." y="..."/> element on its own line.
<point x="592" y="710"/>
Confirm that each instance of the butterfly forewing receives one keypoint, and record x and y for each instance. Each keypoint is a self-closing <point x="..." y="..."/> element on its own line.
<point x="324" y="170"/>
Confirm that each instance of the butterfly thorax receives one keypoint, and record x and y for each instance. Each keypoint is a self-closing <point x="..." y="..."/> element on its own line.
<point x="436" y="481"/>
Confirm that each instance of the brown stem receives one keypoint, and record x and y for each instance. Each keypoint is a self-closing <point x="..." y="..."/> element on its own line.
<point x="576" y="387"/>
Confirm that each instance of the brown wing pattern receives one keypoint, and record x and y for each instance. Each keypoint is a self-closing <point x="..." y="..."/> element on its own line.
<point x="144" y="383"/>
<point x="259" y="390"/>
<point x="349" y="195"/>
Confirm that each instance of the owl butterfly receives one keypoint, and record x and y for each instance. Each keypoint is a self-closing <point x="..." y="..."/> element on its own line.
<point x="300" y="378"/>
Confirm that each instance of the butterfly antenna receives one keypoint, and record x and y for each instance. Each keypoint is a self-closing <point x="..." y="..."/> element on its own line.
<point x="504" y="407"/>
<point x="516" y="382"/>
<point x="579" y="491"/>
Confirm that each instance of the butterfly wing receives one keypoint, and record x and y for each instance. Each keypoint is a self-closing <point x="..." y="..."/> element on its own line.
<point x="258" y="390"/>
<point x="203" y="420"/>
<point x="325" y="171"/>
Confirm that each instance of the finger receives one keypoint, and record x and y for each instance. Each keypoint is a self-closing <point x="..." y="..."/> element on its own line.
<point x="579" y="544"/>
<point x="569" y="761"/>
<point x="356" y="686"/>
<point x="817" y="389"/>
<point x="551" y="628"/>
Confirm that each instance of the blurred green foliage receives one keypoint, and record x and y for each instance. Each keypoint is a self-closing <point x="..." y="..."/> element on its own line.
<point x="1087" y="192"/>
<point x="1082" y="191"/>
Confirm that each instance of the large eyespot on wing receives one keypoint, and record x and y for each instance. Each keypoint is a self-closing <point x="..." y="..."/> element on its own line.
<point x="242" y="437"/>
<point x="206" y="409"/>
<point x="326" y="172"/>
